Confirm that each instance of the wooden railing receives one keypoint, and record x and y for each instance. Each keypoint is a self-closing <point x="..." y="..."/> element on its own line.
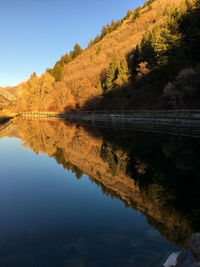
<point x="38" y="114"/>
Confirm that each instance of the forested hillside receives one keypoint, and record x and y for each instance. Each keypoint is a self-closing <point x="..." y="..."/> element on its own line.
<point x="149" y="59"/>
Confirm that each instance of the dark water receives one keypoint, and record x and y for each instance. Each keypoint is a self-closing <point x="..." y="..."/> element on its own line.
<point x="72" y="195"/>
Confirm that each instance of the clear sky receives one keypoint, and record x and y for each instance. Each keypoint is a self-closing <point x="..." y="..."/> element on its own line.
<point x="35" y="33"/>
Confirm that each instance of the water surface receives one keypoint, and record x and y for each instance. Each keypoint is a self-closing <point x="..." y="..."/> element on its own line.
<point x="72" y="195"/>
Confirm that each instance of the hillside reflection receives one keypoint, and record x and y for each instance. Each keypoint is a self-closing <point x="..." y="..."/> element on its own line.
<point x="157" y="175"/>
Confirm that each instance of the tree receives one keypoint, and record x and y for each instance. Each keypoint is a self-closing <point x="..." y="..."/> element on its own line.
<point x="98" y="51"/>
<point x="91" y="42"/>
<point x="136" y="13"/>
<point x="66" y="59"/>
<point x="136" y="57"/>
<point x="104" y="31"/>
<point x="45" y="91"/>
<point x="77" y="51"/>
<point x="123" y="71"/>
<point x="63" y="100"/>
<point x="128" y="14"/>
<point x="112" y="72"/>
<point x="99" y="86"/>
<point x="56" y="72"/>
<point x="97" y="39"/>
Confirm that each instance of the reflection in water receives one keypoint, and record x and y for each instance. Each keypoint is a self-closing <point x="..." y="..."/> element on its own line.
<point x="156" y="175"/>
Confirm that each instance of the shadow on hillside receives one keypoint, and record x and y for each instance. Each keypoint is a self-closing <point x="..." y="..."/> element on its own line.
<point x="149" y="87"/>
<point x="4" y="120"/>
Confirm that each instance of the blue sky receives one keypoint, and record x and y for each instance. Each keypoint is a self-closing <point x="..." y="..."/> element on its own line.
<point x="34" y="34"/>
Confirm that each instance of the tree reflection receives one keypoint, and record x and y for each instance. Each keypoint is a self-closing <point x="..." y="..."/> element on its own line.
<point x="157" y="175"/>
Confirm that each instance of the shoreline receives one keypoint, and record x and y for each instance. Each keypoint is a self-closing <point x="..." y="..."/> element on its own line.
<point x="157" y="117"/>
<point x="182" y="122"/>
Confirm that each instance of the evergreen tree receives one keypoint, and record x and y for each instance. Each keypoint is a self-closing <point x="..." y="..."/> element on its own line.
<point x="112" y="26"/>
<point x="65" y="59"/>
<point x="136" y="13"/>
<point x="147" y="52"/>
<point x="77" y="51"/>
<point x="104" y="31"/>
<point x="123" y="71"/>
<point x="98" y="50"/>
<point x="97" y="39"/>
<point x="91" y="42"/>
<point x="71" y="54"/>
<point x="136" y="57"/>
<point x="57" y="71"/>
<point x="99" y="86"/>
<point x="112" y="73"/>
<point x="128" y="14"/>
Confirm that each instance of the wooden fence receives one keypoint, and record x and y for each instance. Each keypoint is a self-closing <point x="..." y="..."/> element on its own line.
<point x="38" y="114"/>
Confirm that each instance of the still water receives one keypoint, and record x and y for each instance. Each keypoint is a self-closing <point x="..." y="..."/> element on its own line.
<point x="72" y="195"/>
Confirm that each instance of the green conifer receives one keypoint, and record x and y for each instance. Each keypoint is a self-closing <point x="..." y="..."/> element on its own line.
<point x="99" y="86"/>
<point x="77" y="51"/>
<point x="112" y="72"/>
<point x="97" y="39"/>
<point x="123" y="71"/>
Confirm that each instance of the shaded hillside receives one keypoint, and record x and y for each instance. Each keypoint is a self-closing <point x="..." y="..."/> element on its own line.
<point x="148" y="173"/>
<point x="152" y="45"/>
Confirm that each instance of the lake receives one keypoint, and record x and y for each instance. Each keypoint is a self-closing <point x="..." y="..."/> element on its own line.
<point x="77" y="195"/>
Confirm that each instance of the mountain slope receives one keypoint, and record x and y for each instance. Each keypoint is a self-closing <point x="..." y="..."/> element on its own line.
<point x="6" y="96"/>
<point x="155" y="40"/>
<point x="88" y="67"/>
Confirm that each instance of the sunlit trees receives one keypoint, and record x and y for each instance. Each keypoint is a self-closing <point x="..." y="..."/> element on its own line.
<point x="35" y="94"/>
<point x="97" y="39"/>
<point x="77" y="51"/>
<point x="45" y="91"/>
<point x="56" y="71"/>
<point x="63" y="100"/>
<point x="112" y="72"/>
<point x="170" y="42"/>
<point x="123" y="71"/>
<point x="99" y="86"/>
<point x="117" y="71"/>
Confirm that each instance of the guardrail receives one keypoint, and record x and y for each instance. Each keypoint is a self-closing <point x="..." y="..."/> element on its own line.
<point x="175" y="115"/>
<point x="120" y="115"/>
<point x="184" y="113"/>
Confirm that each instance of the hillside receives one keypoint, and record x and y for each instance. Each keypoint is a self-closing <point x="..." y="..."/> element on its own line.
<point x="3" y="102"/>
<point x="7" y="95"/>
<point x="128" y="67"/>
<point x="12" y="89"/>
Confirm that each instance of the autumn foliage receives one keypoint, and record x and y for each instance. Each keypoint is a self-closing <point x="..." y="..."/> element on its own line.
<point x="127" y="66"/>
